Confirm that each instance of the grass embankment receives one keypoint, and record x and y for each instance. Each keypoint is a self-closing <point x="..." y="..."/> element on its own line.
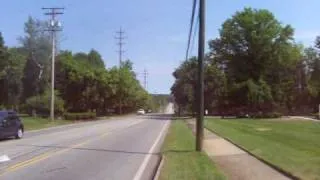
<point x="34" y="123"/>
<point x="294" y="146"/>
<point x="180" y="159"/>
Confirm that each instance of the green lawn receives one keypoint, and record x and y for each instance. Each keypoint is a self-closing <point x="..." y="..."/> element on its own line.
<point x="33" y="123"/>
<point x="293" y="146"/>
<point x="181" y="162"/>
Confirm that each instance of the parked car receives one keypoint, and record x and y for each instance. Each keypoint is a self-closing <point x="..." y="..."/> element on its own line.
<point x="10" y="125"/>
<point x="141" y="112"/>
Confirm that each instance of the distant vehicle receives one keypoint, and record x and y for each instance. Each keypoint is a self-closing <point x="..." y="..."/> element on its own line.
<point x="149" y="111"/>
<point x="10" y="125"/>
<point x="141" y="112"/>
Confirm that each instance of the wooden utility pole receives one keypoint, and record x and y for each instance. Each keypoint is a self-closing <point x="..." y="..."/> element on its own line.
<point x="200" y="96"/>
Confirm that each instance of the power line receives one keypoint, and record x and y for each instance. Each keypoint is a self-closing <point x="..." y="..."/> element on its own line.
<point x="54" y="26"/>
<point x="191" y="26"/>
<point x="194" y="35"/>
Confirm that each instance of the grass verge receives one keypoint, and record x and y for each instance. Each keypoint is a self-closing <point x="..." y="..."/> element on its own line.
<point x="34" y="123"/>
<point x="293" y="146"/>
<point x="180" y="159"/>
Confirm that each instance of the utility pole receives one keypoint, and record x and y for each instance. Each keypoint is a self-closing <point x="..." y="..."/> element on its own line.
<point x="145" y="76"/>
<point x="120" y="37"/>
<point x="199" y="124"/>
<point x="54" y="26"/>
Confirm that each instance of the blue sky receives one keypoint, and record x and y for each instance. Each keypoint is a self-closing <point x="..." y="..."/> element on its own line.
<point x="156" y="29"/>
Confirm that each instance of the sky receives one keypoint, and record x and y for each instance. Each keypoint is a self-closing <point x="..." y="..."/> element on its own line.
<point x="155" y="30"/>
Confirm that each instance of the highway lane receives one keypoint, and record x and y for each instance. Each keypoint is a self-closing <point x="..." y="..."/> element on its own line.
<point x="123" y="149"/>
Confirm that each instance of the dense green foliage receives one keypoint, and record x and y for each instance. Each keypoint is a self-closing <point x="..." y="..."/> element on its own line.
<point x="40" y="104"/>
<point x="293" y="146"/>
<point x="254" y="66"/>
<point x="80" y="116"/>
<point x="159" y="102"/>
<point x="82" y="83"/>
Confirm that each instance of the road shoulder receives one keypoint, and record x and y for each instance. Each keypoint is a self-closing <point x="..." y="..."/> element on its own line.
<point x="180" y="161"/>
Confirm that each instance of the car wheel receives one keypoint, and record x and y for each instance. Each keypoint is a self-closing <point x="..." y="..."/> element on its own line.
<point x="19" y="134"/>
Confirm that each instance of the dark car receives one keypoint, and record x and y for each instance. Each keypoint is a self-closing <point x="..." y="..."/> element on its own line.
<point x="10" y="125"/>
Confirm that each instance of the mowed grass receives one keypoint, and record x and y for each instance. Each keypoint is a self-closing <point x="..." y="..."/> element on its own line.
<point x="293" y="146"/>
<point x="181" y="162"/>
<point x="33" y="123"/>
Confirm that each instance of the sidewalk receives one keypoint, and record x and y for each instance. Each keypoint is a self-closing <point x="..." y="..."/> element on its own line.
<point x="233" y="161"/>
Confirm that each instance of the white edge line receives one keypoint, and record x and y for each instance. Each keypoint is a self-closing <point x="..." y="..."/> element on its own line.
<point x="159" y="169"/>
<point x="144" y="164"/>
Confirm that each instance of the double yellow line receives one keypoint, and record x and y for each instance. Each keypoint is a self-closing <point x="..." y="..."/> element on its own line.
<point x="52" y="153"/>
<point x="47" y="155"/>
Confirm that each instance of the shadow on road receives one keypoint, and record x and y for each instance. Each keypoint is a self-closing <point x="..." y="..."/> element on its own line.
<point x="163" y="117"/>
<point x="7" y="139"/>
<point x="92" y="149"/>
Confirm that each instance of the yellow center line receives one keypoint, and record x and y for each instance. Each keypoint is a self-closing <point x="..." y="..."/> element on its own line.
<point x="52" y="153"/>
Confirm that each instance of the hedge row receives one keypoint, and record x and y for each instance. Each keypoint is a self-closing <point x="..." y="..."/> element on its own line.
<point x="261" y="115"/>
<point x="80" y="116"/>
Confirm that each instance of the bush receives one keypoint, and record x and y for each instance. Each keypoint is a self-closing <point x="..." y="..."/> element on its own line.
<point x="274" y="115"/>
<point x="41" y="104"/>
<point x="261" y="115"/>
<point x="80" y="116"/>
<point x="316" y="115"/>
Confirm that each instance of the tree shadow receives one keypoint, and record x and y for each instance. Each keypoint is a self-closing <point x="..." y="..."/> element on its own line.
<point x="92" y="149"/>
<point x="164" y="117"/>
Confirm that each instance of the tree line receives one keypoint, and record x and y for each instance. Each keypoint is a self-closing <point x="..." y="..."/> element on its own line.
<point x="83" y="83"/>
<point x="255" y="66"/>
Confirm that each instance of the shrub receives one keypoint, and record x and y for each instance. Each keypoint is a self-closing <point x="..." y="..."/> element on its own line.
<point x="316" y="115"/>
<point x="274" y="115"/>
<point x="41" y="104"/>
<point x="261" y="115"/>
<point x="80" y="116"/>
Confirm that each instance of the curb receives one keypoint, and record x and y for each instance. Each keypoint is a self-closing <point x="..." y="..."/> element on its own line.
<point x="158" y="169"/>
<point x="280" y="170"/>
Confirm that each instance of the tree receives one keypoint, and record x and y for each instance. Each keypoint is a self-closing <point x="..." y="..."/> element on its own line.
<point x="17" y="61"/>
<point x="252" y="46"/>
<point x="95" y="59"/>
<point x="184" y="88"/>
<point x="3" y="71"/>
<point x="40" y="104"/>
<point x="314" y="80"/>
<point x="37" y="48"/>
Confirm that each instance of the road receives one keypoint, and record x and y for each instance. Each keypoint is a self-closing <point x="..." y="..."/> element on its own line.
<point x="124" y="148"/>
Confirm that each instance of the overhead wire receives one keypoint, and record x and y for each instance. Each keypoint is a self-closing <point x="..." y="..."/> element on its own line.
<point x="195" y="32"/>
<point x="191" y="27"/>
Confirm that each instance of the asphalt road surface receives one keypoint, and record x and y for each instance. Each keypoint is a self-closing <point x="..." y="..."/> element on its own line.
<point x="124" y="148"/>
